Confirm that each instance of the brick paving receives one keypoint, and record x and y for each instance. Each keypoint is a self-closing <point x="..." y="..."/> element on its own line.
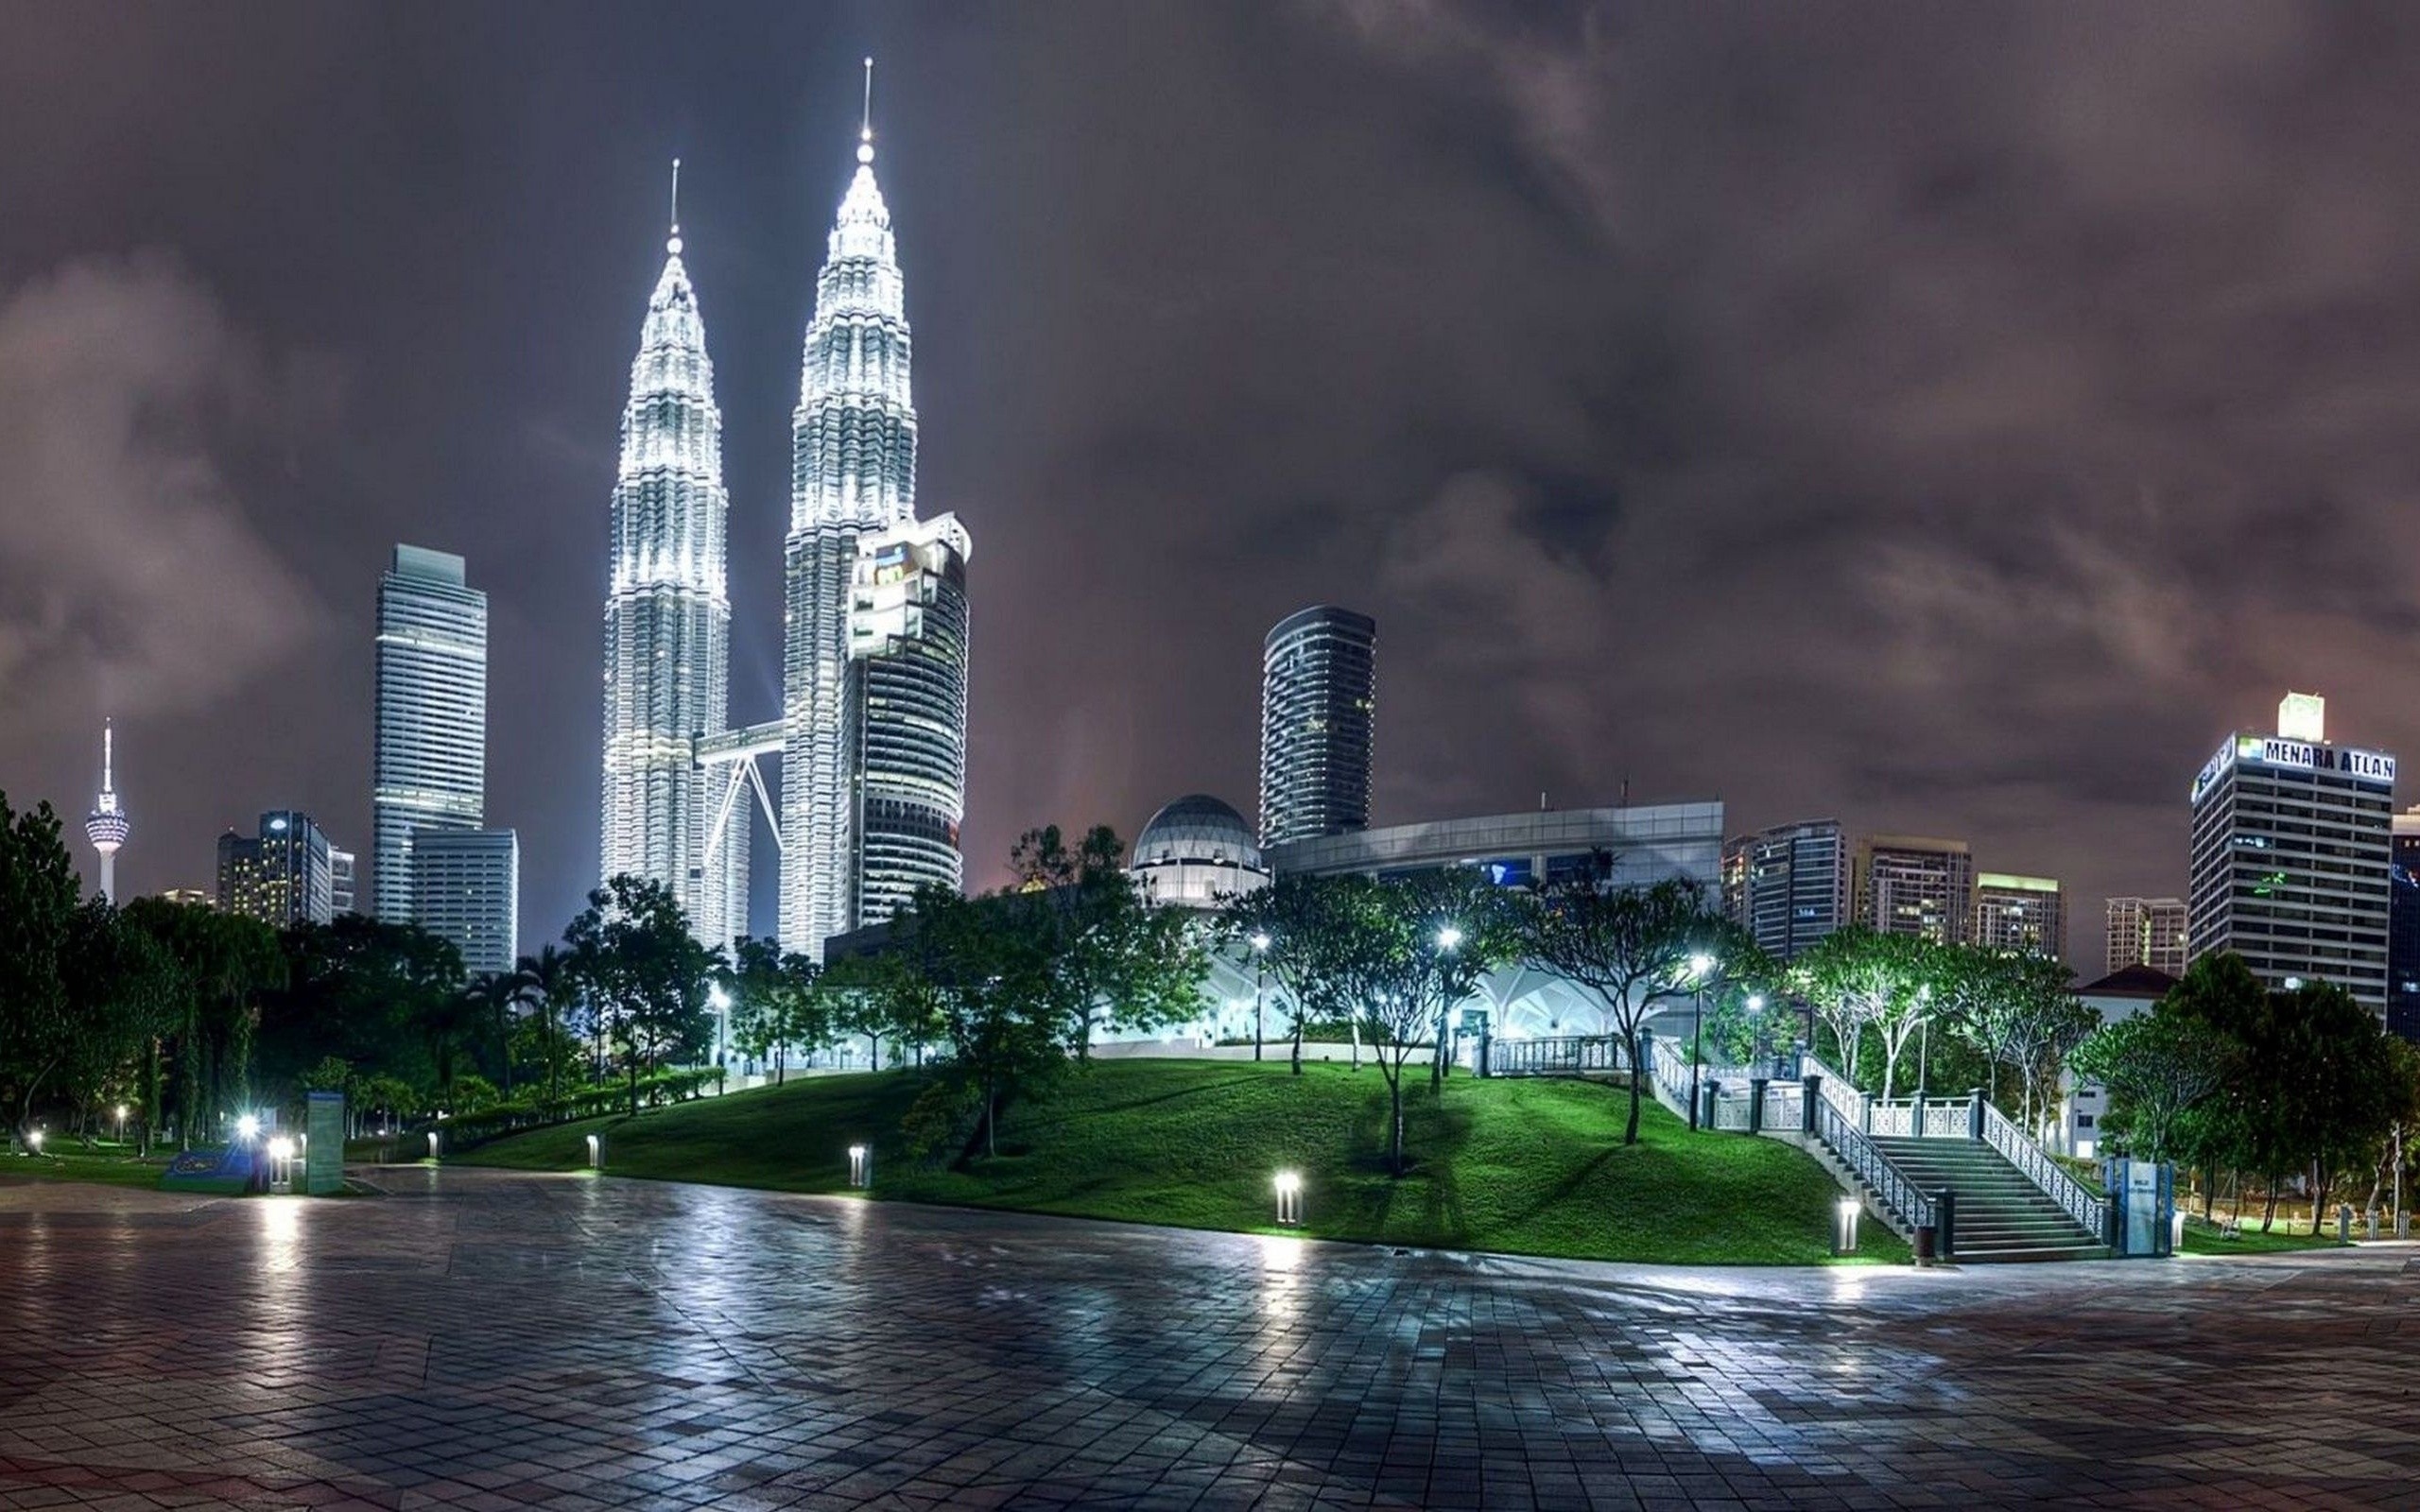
<point x="482" y="1340"/>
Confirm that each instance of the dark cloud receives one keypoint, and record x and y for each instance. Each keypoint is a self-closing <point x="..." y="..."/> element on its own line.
<point x="1955" y="420"/>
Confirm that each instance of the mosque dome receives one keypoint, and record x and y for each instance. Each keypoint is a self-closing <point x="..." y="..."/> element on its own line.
<point x="1195" y="850"/>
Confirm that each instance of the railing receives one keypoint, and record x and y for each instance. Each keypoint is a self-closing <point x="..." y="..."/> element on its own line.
<point x="1866" y="1161"/>
<point x="1567" y="1054"/>
<point x="1892" y="1121"/>
<point x="1949" y="1119"/>
<point x="1838" y="1092"/>
<point x="1732" y="1112"/>
<point x="2042" y="1171"/>
<point x="1785" y="1104"/>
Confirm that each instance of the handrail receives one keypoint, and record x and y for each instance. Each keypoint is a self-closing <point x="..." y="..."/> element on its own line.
<point x="1838" y="1089"/>
<point x="1866" y="1161"/>
<point x="2044" y="1171"/>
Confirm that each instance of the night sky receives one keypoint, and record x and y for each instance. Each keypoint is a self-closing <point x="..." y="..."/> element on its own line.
<point x="1950" y="418"/>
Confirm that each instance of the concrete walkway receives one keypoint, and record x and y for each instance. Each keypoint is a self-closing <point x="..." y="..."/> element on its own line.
<point x="484" y="1339"/>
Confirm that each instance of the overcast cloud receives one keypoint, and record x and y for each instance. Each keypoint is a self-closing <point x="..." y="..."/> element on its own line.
<point x="1952" y="419"/>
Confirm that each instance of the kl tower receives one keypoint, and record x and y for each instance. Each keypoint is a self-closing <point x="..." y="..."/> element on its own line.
<point x="106" y="826"/>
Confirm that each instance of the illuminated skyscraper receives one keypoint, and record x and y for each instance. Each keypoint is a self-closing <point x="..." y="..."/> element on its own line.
<point x="279" y="875"/>
<point x="2024" y="915"/>
<point x="1788" y="885"/>
<point x="1910" y="885"/>
<point x="429" y="761"/>
<point x="908" y="694"/>
<point x="106" y="826"/>
<point x="667" y="619"/>
<point x="1317" y="680"/>
<point x="2293" y="854"/>
<point x="853" y="476"/>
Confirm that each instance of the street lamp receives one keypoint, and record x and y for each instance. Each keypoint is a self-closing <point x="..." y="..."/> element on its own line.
<point x="1448" y="938"/>
<point x="719" y="1001"/>
<point x="1289" y="1199"/>
<point x="1924" y="1044"/>
<point x="121" y="1123"/>
<point x="1700" y="965"/>
<point x="1259" y="980"/>
<point x="1756" y="1011"/>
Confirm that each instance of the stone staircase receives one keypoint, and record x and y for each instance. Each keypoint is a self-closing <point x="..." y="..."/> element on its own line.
<point x="2000" y="1215"/>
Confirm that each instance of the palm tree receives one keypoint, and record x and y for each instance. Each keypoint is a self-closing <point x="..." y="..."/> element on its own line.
<point x="491" y="997"/>
<point x="548" y="980"/>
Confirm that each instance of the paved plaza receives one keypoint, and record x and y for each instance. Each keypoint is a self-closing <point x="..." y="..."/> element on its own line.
<point x="489" y="1340"/>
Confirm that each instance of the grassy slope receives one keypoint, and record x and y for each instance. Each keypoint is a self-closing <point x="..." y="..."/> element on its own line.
<point x="1524" y="1166"/>
<point x="105" y="1165"/>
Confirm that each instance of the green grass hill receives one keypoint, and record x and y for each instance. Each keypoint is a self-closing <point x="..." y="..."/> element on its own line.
<point x="1519" y="1166"/>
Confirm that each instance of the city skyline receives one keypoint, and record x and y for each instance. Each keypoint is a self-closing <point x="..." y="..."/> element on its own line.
<point x="1126" y="382"/>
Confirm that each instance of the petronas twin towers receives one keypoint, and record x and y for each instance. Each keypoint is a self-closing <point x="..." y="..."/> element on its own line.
<point x="872" y="727"/>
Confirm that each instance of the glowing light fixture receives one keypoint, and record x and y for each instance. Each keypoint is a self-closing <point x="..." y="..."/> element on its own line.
<point x="1289" y="1199"/>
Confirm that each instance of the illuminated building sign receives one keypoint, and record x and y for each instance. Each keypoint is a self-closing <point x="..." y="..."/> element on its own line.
<point x="2298" y="755"/>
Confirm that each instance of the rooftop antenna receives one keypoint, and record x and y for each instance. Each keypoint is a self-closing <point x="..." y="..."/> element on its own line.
<point x="865" y="125"/>
<point x="673" y="246"/>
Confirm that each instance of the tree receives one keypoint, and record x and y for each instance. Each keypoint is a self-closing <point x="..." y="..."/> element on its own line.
<point x="491" y="997"/>
<point x="1000" y="1006"/>
<point x="1423" y="942"/>
<point x="1114" y="959"/>
<point x="1858" y="978"/>
<point x="37" y="904"/>
<point x="2157" y="1067"/>
<point x="1279" y="929"/>
<point x="124" y="989"/>
<point x="549" y="981"/>
<point x="780" y="1002"/>
<point x="1627" y="947"/>
<point x="648" y="972"/>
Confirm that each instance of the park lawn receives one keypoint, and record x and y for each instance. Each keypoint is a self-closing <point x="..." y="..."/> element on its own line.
<point x="1520" y="1166"/>
<point x="2204" y="1238"/>
<point x="105" y="1165"/>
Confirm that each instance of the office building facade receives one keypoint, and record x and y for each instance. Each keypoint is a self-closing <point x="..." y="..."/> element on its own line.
<point x="2293" y="855"/>
<point x="280" y="874"/>
<point x="2146" y="932"/>
<point x="466" y="888"/>
<point x="429" y="756"/>
<point x="2403" y="928"/>
<point x="908" y="646"/>
<point x="1318" y="697"/>
<point x="1788" y="885"/>
<point x="2022" y="915"/>
<point x="1911" y="886"/>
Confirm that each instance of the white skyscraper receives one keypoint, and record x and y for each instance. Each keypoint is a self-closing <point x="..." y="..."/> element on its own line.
<point x="106" y="826"/>
<point x="429" y="764"/>
<point x="668" y="620"/>
<point x="466" y="887"/>
<point x="852" y="475"/>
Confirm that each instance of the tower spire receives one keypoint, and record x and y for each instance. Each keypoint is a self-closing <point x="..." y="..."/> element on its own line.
<point x="673" y="244"/>
<point x="109" y="755"/>
<point x="865" y="124"/>
<point x="106" y="826"/>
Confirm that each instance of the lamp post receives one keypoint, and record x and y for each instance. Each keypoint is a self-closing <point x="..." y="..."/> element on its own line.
<point x="1756" y="1011"/>
<point x="121" y="1123"/>
<point x="1699" y="966"/>
<point x="1450" y="938"/>
<point x="1259" y="980"/>
<point x="719" y="1001"/>
<point x="1924" y="1044"/>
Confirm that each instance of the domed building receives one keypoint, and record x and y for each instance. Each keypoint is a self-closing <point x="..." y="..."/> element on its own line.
<point x="1197" y="850"/>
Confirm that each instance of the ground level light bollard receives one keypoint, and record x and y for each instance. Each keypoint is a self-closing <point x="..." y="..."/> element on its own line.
<point x="1289" y="1199"/>
<point x="432" y="1144"/>
<point x="860" y="1166"/>
<point x="595" y="1153"/>
<point x="2343" y="1223"/>
<point x="1844" y="1226"/>
<point x="2372" y="1214"/>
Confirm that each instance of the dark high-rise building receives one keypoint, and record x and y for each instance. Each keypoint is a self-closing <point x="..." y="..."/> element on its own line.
<point x="2403" y="928"/>
<point x="1788" y="885"/>
<point x="1319" y="682"/>
<point x="280" y="876"/>
<point x="1910" y="885"/>
<point x="2292" y="847"/>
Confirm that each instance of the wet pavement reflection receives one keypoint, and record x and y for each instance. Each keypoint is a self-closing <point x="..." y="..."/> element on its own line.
<point x="481" y="1339"/>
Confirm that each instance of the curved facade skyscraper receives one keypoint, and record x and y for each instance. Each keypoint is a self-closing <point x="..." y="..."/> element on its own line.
<point x="853" y="480"/>
<point x="667" y="620"/>
<point x="1318" y="684"/>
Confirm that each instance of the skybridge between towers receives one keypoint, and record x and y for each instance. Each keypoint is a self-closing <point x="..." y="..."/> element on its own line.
<point x="738" y="751"/>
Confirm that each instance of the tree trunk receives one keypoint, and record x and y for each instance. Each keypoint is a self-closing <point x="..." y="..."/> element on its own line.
<point x="1394" y="1151"/>
<point x="1355" y="1025"/>
<point x="1298" y="1044"/>
<point x="2269" y="1213"/>
<point x="1637" y="1069"/>
<point x="990" y="1119"/>
<point x="1890" y="1068"/>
